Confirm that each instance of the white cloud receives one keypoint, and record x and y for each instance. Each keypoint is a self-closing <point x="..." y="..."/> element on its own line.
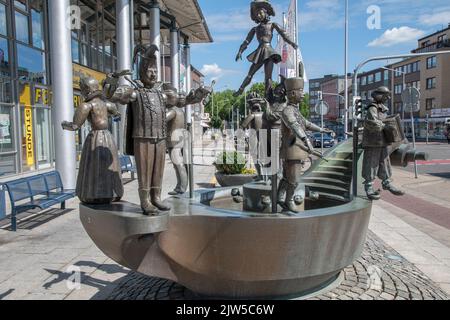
<point x="211" y="70"/>
<point x="396" y="36"/>
<point x="214" y="72"/>
<point x="440" y="18"/>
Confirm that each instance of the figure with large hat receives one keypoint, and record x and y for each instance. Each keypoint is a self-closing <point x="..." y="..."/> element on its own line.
<point x="376" y="161"/>
<point x="296" y="146"/>
<point x="265" y="55"/>
<point x="146" y="133"/>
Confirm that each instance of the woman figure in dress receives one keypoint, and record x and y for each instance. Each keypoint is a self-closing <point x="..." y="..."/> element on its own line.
<point x="99" y="177"/>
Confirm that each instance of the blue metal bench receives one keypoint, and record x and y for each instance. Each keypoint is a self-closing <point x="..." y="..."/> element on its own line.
<point x="40" y="191"/>
<point x="127" y="165"/>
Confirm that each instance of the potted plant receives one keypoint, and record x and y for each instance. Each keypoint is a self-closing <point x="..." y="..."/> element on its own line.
<point x="231" y="169"/>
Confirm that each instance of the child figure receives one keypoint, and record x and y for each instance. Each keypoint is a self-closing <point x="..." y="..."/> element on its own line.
<point x="265" y="55"/>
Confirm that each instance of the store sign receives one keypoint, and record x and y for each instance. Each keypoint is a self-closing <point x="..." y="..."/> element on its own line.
<point x="25" y="96"/>
<point x="435" y="113"/>
<point x="76" y="100"/>
<point x="80" y="71"/>
<point x="28" y="125"/>
<point x="42" y="96"/>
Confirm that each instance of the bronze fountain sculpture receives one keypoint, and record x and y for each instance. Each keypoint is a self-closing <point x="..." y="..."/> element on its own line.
<point x="265" y="55"/>
<point x="147" y="125"/>
<point x="217" y="247"/>
<point x="377" y="161"/>
<point x="99" y="177"/>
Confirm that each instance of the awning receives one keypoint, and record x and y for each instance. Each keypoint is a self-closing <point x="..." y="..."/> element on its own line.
<point x="190" y="18"/>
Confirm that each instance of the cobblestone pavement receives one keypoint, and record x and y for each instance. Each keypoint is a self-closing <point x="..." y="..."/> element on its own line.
<point x="380" y="274"/>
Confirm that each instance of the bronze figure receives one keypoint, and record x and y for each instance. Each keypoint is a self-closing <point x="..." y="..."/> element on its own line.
<point x="254" y="121"/>
<point x="376" y="162"/>
<point x="265" y="55"/>
<point x="147" y="124"/>
<point x="175" y="138"/>
<point x="99" y="178"/>
<point x="295" y="147"/>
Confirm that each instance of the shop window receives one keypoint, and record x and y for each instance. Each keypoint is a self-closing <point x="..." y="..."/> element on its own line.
<point x="3" y="26"/>
<point x="43" y="137"/>
<point x="37" y="26"/>
<point x="75" y="51"/>
<point x="22" y="28"/>
<point x="21" y="4"/>
<point x="5" y="91"/>
<point x="7" y="165"/>
<point x="6" y="129"/>
<point x="5" y="69"/>
<point x="31" y="64"/>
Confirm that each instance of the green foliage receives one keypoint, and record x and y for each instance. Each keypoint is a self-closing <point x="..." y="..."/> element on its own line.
<point x="224" y="102"/>
<point x="230" y="163"/>
<point x="304" y="106"/>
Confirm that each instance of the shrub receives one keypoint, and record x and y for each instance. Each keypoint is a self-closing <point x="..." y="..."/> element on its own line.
<point x="230" y="162"/>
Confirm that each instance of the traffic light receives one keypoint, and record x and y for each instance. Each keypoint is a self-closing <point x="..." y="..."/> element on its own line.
<point x="357" y="107"/>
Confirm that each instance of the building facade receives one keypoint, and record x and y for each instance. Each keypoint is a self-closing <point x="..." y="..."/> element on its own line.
<point x="429" y="74"/>
<point x="26" y="105"/>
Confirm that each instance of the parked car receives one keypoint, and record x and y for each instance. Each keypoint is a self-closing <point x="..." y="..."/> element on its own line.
<point x="328" y="140"/>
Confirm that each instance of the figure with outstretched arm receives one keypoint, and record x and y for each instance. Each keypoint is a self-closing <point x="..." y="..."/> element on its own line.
<point x="99" y="178"/>
<point x="265" y="55"/>
<point x="146" y="121"/>
<point x="296" y="146"/>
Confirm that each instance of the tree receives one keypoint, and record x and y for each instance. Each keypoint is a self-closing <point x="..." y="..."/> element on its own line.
<point x="304" y="106"/>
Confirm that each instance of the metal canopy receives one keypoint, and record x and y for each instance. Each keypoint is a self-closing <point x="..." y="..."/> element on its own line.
<point x="190" y="18"/>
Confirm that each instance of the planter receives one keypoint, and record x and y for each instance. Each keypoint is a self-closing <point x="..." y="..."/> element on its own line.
<point x="230" y="180"/>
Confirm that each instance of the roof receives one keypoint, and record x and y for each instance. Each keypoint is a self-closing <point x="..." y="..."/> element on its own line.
<point x="190" y="18"/>
<point x="433" y="34"/>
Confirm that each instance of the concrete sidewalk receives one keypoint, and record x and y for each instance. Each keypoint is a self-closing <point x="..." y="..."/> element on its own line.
<point x="37" y="262"/>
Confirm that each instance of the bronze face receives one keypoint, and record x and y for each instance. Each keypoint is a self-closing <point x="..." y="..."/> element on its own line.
<point x="150" y="76"/>
<point x="262" y="16"/>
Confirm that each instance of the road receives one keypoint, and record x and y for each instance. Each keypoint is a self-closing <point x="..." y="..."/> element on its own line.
<point x="439" y="162"/>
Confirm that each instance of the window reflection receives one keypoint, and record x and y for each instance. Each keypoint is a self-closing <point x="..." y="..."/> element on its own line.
<point x="22" y="27"/>
<point x="5" y="91"/>
<point x="3" y="28"/>
<point x="37" y="18"/>
<point x="31" y="64"/>
<point x="21" y="4"/>
<point x="4" y="58"/>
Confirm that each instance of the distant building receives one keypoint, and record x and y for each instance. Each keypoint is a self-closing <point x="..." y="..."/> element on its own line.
<point x="429" y="74"/>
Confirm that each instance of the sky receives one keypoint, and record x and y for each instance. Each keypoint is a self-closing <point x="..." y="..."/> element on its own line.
<point x="321" y="34"/>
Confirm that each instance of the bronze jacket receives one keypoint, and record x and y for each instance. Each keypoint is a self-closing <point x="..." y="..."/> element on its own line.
<point x="373" y="136"/>
<point x="293" y="131"/>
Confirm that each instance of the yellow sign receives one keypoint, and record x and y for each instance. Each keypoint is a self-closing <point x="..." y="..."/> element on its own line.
<point x="76" y="100"/>
<point x="29" y="146"/>
<point x="25" y="96"/>
<point x="80" y="71"/>
<point x="41" y="96"/>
